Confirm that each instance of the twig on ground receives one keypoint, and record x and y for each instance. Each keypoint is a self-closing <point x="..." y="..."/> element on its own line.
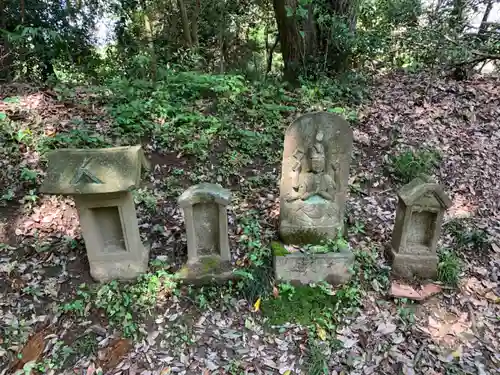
<point x="418" y="355"/>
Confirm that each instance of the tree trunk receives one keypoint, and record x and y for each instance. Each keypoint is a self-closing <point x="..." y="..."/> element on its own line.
<point x="148" y="30"/>
<point x="221" y="43"/>
<point x="194" y="23"/>
<point x="484" y="22"/>
<point x="5" y="51"/>
<point x="292" y="46"/>
<point x="307" y="45"/>
<point x="185" y="23"/>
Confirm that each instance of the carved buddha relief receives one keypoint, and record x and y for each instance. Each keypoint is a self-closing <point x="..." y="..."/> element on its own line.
<point x="314" y="177"/>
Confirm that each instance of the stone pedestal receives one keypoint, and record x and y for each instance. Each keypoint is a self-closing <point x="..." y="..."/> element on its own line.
<point x="417" y="228"/>
<point x="299" y="268"/>
<point x="111" y="234"/>
<point x="205" y="215"/>
<point x="100" y="181"/>
<point x="314" y="178"/>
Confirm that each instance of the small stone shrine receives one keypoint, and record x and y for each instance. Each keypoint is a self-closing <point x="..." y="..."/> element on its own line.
<point x="314" y="178"/>
<point x="419" y="216"/>
<point x="205" y="215"/>
<point x="100" y="181"/>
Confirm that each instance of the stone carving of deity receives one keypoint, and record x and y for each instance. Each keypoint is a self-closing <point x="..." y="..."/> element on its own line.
<point x="315" y="179"/>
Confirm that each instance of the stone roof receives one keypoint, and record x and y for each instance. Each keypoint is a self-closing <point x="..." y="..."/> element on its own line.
<point x="205" y="193"/>
<point x="421" y="186"/>
<point x="93" y="171"/>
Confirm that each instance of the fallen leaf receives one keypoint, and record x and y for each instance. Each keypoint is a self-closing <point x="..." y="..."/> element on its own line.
<point x="256" y="305"/>
<point x="91" y="370"/>
<point x="31" y="351"/>
<point x="429" y="290"/>
<point x="113" y="354"/>
<point x="287" y="372"/>
<point x="386" y="328"/>
<point x="405" y="291"/>
<point x="491" y="296"/>
<point x="495" y="247"/>
<point x="456" y="354"/>
<point x="348" y="343"/>
<point x="321" y="333"/>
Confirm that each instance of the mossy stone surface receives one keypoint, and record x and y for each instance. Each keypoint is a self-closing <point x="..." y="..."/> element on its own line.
<point x="278" y="249"/>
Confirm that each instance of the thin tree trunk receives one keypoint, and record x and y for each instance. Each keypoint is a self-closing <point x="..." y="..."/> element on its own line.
<point x="150" y="41"/>
<point x="484" y="21"/>
<point x="185" y="23"/>
<point x="270" y="52"/>
<point x="6" y="58"/>
<point x="457" y="14"/>
<point x="194" y="23"/>
<point x="221" y="46"/>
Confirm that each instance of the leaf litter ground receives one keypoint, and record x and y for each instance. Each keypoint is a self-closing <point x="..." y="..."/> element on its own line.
<point x="42" y="261"/>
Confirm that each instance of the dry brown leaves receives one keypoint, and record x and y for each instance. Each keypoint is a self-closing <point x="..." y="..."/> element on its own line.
<point x="111" y="356"/>
<point x="400" y="290"/>
<point x="31" y="351"/>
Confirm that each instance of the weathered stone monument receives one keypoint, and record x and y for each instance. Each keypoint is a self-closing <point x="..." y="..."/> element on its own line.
<point x="314" y="178"/>
<point x="313" y="189"/>
<point x="205" y="216"/>
<point x="100" y="181"/>
<point x="419" y="216"/>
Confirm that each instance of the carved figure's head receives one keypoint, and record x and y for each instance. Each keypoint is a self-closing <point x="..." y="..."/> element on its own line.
<point x="317" y="163"/>
<point x="319" y="136"/>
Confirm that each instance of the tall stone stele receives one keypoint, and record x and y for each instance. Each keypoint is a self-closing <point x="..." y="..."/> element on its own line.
<point x="100" y="181"/>
<point x="205" y="215"/>
<point x="314" y="178"/>
<point x="421" y="206"/>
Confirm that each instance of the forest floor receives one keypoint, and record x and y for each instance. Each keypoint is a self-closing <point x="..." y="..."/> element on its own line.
<point x="56" y="319"/>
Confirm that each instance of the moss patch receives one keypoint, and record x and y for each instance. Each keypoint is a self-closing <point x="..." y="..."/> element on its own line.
<point x="278" y="249"/>
<point x="209" y="264"/>
<point x="309" y="305"/>
<point x="304" y="305"/>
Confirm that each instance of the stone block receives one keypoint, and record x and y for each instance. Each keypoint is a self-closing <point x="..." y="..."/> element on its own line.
<point x="93" y="171"/>
<point x="111" y="234"/>
<point x="300" y="268"/>
<point x="314" y="178"/>
<point x="205" y="215"/>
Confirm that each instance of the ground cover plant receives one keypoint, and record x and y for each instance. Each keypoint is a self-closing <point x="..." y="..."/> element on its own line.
<point x="208" y="89"/>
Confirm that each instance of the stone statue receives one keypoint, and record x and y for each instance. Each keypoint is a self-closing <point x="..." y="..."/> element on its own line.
<point x="314" y="178"/>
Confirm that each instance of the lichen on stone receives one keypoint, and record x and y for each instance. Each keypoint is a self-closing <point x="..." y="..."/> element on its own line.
<point x="209" y="263"/>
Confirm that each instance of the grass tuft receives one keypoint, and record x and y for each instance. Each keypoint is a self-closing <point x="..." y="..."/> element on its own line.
<point x="410" y="164"/>
<point x="449" y="267"/>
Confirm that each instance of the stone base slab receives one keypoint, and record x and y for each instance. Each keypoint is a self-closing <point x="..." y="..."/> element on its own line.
<point x="300" y="268"/>
<point x="411" y="266"/>
<point x="206" y="270"/>
<point x="120" y="266"/>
